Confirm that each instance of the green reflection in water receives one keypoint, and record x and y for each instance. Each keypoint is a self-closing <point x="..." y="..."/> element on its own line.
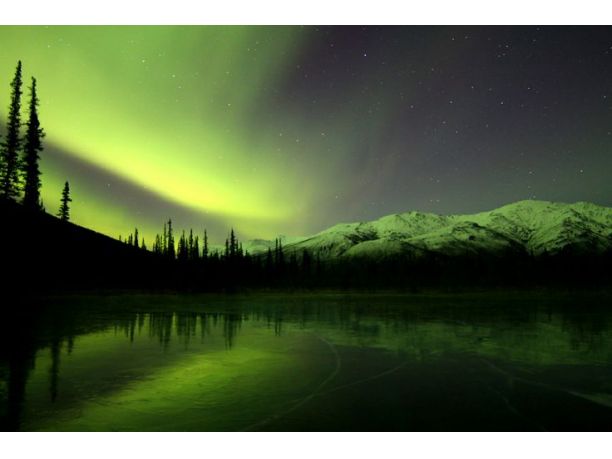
<point x="309" y="363"/>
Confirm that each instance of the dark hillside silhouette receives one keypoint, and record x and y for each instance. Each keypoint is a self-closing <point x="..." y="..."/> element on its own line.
<point x="43" y="253"/>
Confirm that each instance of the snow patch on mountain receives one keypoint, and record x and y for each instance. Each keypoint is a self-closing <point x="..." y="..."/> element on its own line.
<point x="529" y="226"/>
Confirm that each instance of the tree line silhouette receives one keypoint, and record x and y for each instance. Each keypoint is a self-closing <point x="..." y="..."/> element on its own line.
<point x="232" y="268"/>
<point x="20" y="153"/>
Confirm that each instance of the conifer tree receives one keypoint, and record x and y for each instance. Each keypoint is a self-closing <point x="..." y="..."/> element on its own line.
<point x="170" y="242"/>
<point x="182" y="247"/>
<point x="233" y="244"/>
<point x="9" y="149"/>
<point x="135" y="237"/>
<point x="205" y="246"/>
<point x="64" y="210"/>
<point x="275" y="251"/>
<point x="280" y="252"/>
<point x="32" y="147"/>
<point x="196" y="248"/>
<point x="157" y="246"/>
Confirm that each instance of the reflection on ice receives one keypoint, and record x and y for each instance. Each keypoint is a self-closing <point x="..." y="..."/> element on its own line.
<point x="316" y="362"/>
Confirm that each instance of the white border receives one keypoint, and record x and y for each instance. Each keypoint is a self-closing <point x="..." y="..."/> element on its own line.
<point x="546" y="12"/>
<point x="306" y="445"/>
<point x="322" y="445"/>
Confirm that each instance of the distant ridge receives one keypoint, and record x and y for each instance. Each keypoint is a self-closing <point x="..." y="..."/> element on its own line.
<point x="532" y="227"/>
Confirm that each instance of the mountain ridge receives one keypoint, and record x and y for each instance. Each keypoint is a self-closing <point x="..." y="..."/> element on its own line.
<point x="529" y="226"/>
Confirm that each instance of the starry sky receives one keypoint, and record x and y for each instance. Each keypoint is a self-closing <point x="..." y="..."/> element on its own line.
<point x="289" y="130"/>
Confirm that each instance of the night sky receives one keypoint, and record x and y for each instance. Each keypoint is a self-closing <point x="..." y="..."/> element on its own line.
<point x="288" y="130"/>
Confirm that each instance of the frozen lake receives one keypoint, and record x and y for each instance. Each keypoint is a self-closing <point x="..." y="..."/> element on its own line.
<point x="308" y="362"/>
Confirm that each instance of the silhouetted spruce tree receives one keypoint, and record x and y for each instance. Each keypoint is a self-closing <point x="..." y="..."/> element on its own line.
<point x="170" y="241"/>
<point x="136" y="237"/>
<point x="196" y="249"/>
<point x="143" y="246"/>
<point x="157" y="246"/>
<point x="281" y="254"/>
<point x="32" y="146"/>
<point x="278" y="253"/>
<point x="232" y="244"/>
<point x="190" y="245"/>
<point x="205" y="246"/>
<point x="64" y="210"/>
<point x="275" y="251"/>
<point x="182" y="247"/>
<point x="9" y="171"/>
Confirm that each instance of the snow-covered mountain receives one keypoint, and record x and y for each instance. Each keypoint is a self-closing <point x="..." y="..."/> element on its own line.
<point x="530" y="226"/>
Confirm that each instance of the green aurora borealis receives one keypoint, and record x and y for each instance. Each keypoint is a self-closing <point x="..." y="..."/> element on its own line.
<point x="230" y="126"/>
<point x="169" y="119"/>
